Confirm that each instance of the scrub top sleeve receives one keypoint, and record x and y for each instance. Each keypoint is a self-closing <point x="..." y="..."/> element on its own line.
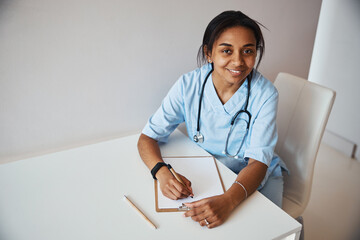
<point x="168" y="116"/>
<point x="263" y="133"/>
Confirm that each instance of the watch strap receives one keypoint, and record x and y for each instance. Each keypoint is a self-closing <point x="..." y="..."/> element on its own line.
<point x="157" y="167"/>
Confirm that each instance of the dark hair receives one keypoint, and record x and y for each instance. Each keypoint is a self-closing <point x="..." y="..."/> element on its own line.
<point x="227" y="20"/>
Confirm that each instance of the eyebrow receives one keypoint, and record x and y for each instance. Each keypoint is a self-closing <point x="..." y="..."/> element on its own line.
<point x="229" y="45"/>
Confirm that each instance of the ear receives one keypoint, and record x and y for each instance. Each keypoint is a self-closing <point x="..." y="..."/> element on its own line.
<point x="207" y="52"/>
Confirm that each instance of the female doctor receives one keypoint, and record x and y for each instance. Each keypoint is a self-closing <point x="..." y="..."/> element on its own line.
<point x="229" y="110"/>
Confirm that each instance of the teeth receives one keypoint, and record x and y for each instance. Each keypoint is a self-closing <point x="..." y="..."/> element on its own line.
<point x="234" y="71"/>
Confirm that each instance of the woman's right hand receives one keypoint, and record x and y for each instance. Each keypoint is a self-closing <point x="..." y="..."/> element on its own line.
<point x="172" y="188"/>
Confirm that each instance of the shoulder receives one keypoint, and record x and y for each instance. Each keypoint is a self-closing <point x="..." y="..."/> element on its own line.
<point x="194" y="79"/>
<point x="263" y="87"/>
<point x="189" y="83"/>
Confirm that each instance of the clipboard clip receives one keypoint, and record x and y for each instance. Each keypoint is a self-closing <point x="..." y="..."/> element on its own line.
<point x="183" y="208"/>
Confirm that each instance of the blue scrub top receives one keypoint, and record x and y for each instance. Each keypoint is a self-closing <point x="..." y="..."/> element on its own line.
<point x="182" y="103"/>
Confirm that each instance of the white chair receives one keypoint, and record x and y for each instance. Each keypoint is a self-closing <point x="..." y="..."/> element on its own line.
<point x="303" y="112"/>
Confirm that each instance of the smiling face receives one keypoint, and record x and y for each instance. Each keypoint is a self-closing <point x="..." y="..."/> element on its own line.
<point x="233" y="55"/>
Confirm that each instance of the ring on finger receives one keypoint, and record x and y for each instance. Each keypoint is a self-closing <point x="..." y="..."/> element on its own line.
<point x="206" y="221"/>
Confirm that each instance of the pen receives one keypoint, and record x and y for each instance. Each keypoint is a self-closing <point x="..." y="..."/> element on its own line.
<point x="176" y="176"/>
<point x="140" y="212"/>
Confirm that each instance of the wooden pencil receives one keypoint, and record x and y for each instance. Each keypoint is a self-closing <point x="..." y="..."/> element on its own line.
<point x="139" y="211"/>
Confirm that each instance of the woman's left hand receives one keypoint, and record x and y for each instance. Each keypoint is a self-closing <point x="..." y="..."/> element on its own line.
<point x="214" y="209"/>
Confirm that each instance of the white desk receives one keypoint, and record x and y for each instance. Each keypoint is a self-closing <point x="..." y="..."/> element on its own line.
<point x="77" y="194"/>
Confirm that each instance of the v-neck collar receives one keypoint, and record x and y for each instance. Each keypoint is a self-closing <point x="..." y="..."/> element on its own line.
<point x="234" y="104"/>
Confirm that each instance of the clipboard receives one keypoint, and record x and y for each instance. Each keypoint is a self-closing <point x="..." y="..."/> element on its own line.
<point x="207" y="178"/>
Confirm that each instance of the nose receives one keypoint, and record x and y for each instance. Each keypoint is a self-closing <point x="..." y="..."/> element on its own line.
<point x="238" y="59"/>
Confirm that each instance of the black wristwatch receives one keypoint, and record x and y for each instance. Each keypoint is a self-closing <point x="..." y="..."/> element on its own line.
<point x="157" y="168"/>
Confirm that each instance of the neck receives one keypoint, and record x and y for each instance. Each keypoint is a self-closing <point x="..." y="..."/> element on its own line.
<point x="225" y="90"/>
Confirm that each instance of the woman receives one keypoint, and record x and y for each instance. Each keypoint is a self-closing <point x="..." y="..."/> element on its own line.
<point x="229" y="109"/>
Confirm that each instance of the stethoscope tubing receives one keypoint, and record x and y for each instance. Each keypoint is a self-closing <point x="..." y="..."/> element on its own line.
<point x="201" y="96"/>
<point x="200" y="138"/>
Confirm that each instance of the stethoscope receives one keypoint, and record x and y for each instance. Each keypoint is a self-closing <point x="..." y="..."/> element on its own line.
<point x="198" y="137"/>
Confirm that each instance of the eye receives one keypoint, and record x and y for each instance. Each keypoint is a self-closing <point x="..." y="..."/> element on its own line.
<point x="248" y="51"/>
<point x="227" y="51"/>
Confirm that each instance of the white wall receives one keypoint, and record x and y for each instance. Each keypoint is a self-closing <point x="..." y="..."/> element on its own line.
<point x="74" y="72"/>
<point x="335" y="64"/>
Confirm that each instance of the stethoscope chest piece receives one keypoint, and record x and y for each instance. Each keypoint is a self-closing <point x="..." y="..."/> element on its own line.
<point x="198" y="137"/>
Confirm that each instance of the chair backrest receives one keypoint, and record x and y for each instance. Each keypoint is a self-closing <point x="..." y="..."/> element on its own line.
<point x="303" y="112"/>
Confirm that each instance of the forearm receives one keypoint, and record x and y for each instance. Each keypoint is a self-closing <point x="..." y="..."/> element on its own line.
<point x="250" y="178"/>
<point x="150" y="154"/>
<point x="149" y="151"/>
